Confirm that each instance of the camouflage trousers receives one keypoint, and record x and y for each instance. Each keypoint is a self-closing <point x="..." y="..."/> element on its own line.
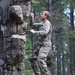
<point x="38" y="60"/>
<point x="16" y="62"/>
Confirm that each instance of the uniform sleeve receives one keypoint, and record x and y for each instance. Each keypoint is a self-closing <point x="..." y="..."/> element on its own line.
<point x="45" y="30"/>
<point x="35" y="25"/>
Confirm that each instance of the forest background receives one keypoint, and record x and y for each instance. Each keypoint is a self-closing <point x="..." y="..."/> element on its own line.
<point x="61" y="61"/>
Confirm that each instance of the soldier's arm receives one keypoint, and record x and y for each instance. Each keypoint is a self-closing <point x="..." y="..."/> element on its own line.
<point x="45" y="31"/>
<point x="33" y="24"/>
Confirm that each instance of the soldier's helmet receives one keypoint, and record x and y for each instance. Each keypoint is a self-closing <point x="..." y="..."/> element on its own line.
<point x="16" y="15"/>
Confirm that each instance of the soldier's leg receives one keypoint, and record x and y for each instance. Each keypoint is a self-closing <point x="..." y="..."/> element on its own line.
<point x="34" y="64"/>
<point x="42" y="60"/>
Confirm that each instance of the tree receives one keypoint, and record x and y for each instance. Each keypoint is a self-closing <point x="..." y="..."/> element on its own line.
<point x="72" y="41"/>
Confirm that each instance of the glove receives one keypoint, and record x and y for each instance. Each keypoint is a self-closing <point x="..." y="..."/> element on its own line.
<point x="32" y="31"/>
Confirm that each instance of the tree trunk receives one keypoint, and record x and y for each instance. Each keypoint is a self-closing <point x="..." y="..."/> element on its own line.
<point x="72" y="43"/>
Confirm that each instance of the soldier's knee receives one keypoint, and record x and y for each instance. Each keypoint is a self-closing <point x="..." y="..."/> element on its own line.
<point x="40" y="60"/>
<point x="31" y="59"/>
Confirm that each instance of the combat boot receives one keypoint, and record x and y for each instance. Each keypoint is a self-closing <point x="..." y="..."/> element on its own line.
<point x="37" y="73"/>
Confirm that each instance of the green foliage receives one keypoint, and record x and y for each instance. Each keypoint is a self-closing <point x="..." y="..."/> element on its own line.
<point x="27" y="64"/>
<point x="28" y="72"/>
<point x="28" y="46"/>
<point x="71" y="33"/>
<point x="28" y="69"/>
<point x="39" y="4"/>
<point x="35" y="2"/>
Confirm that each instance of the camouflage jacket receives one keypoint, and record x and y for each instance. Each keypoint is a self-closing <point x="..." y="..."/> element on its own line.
<point x="43" y="32"/>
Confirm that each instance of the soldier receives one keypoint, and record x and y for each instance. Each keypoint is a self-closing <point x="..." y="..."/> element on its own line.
<point x="38" y="57"/>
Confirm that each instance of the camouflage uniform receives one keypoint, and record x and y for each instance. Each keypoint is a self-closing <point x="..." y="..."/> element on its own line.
<point x="38" y="57"/>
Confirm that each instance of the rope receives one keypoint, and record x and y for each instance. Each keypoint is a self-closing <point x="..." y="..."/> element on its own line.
<point x="32" y="37"/>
